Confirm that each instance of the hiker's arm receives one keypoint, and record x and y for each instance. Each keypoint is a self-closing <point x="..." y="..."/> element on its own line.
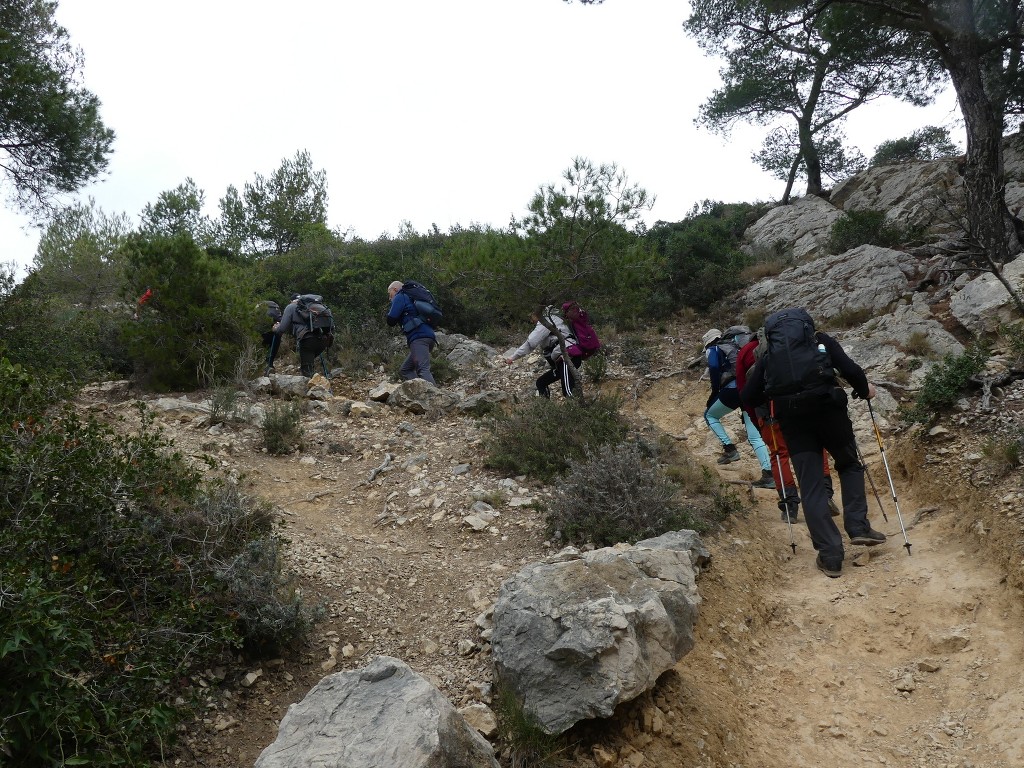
<point x="396" y="309"/>
<point x="752" y="394"/>
<point x="537" y="337"/>
<point x="285" y="323"/>
<point x="848" y="369"/>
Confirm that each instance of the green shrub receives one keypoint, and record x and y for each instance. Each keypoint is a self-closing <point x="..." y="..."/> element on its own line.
<point x="614" y="494"/>
<point x="541" y="437"/>
<point x="945" y="382"/>
<point x="856" y="228"/>
<point x="849" y="317"/>
<point x="282" y="428"/>
<point x="528" y="744"/>
<point x="124" y="573"/>
<point x="596" y="367"/>
<point x="1005" y="454"/>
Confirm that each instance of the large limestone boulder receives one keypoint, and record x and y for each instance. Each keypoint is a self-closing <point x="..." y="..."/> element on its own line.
<point x="577" y="634"/>
<point x="384" y="715"/>
<point x="868" y="279"/>
<point x="803" y="226"/>
<point x="419" y="396"/>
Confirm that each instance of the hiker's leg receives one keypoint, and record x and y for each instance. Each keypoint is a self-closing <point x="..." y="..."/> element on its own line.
<point x="408" y="368"/>
<point x="419" y="354"/>
<point x="824" y="534"/>
<point x="309" y="350"/>
<point x="804" y="438"/>
<point x="760" y="449"/>
<point x="839" y="440"/>
<point x="779" y="456"/>
<point x="569" y="388"/>
<point x="546" y="379"/>
<point x="713" y="416"/>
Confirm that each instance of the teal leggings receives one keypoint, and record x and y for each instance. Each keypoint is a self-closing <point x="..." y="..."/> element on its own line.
<point x="713" y="416"/>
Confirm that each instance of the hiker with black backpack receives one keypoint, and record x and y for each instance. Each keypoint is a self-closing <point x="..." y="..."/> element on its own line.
<point x="720" y="350"/>
<point x="796" y="376"/>
<point x="768" y="427"/>
<point x="545" y="337"/>
<point x="414" y="309"/>
<point x="310" y="321"/>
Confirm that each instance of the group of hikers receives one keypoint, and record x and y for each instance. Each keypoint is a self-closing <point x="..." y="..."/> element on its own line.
<point x="784" y="380"/>
<point x="308" y="319"/>
<point x="413" y="308"/>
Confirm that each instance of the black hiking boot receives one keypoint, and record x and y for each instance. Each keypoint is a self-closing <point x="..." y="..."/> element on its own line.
<point x="832" y="570"/>
<point x="868" y="538"/>
<point x="833" y="507"/>
<point x="790" y="508"/>
<point x="729" y="455"/>
<point x="766" y="481"/>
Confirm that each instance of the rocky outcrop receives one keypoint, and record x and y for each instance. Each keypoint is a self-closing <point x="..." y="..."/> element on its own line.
<point x="912" y="194"/>
<point x="384" y="715"/>
<point x="803" y="227"/>
<point x="983" y="303"/>
<point x="577" y="634"/>
<point x="866" y="280"/>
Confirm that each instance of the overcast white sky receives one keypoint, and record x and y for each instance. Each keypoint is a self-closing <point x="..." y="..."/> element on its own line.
<point x="446" y="112"/>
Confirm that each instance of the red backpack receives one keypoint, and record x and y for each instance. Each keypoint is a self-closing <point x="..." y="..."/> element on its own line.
<point x="586" y="338"/>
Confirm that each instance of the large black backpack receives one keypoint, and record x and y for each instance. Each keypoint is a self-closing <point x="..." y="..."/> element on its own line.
<point x="313" y="317"/>
<point x="793" y="360"/>
<point x="427" y="308"/>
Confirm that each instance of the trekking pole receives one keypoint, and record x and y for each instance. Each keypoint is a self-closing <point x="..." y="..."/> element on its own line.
<point x="324" y="364"/>
<point x="874" y="490"/>
<point x="885" y="463"/>
<point x="270" y="355"/>
<point x="782" y="480"/>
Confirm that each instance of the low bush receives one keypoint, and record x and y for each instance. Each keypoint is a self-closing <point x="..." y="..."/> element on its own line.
<point x="1004" y="454"/>
<point x="124" y="572"/>
<point x="614" y="494"/>
<point x="527" y="743"/>
<point x="541" y="437"/>
<point x="945" y="382"/>
<point x="856" y="228"/>
<point x="282" y="428"/>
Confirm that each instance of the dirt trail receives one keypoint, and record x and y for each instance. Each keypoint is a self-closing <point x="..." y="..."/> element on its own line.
<point x="903" y="661"/>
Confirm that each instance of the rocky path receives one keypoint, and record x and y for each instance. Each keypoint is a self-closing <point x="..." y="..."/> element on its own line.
<point x="903" y="661"/>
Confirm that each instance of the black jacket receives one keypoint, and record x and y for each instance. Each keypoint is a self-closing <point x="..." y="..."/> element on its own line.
<point x="753" y="393"/>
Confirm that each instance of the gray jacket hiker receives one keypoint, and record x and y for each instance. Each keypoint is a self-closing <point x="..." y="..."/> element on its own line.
<point x="543" y="339"/>
<point x="310" y="347"/>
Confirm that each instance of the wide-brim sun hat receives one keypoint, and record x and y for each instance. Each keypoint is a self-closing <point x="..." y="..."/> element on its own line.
<point x="713" y="335"/>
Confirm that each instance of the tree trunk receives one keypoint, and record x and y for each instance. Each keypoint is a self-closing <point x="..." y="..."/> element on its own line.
<point x="989" y="219"/>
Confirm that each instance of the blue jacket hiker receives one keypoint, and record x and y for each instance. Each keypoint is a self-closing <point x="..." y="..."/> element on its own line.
<point x="418" y="334"/>
<point x="725" y="398"/>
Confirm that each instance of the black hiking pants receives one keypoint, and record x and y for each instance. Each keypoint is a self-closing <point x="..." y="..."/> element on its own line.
<point x="310" y="348"/>
<point x="559" y="372"/>
<point x="809" y="427"/>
